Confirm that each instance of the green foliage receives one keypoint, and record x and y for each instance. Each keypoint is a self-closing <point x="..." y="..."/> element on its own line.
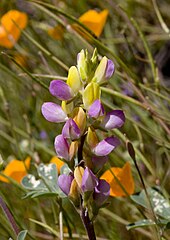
<point x="135" y="37"/>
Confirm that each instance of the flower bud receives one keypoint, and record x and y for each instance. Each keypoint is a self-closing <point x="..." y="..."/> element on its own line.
<point x="73" y="149"/>
<point x="82" y="64"/>
<point x="53" y="112"/>
<point x="71" y="130"/>
<point x="105" y="147"/>
<point x="104" y="70"/>
<point x="74" y="193"/>
<point x="89" y="180"/>
<point x="79" y="117"/>
<point x="64" y="183"/>
<point x="91" y="93"/>
<point x="74" y="80"/>
<point x="78" y="174"/>
<point x="113" y="119"/>
<point x="91" y="138"/>
<point x="62" y="147"/>
<point x="96" y="109"/>
<point x="61" y="90"/>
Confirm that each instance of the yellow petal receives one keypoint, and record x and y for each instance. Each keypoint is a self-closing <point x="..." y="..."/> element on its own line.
<point x="90" y="94"/>
<point x="125" y="178"/>
<point x="91" y="138"/>
<point x="79" y="117"/>
<point x="16" y="169"/>
<point x="67" y="107"/>
<point x="74" y="80"/>
<point x="78" y="174"/>
<point x="57" y="162"/>
<point x="11" y="23"/>
<point x="73" y="149"/>
<point x="94" y="21"/>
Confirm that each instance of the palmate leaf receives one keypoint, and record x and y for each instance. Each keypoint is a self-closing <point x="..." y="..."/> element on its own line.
<point x="160" y="205"/>
<point x="46" y="185"/>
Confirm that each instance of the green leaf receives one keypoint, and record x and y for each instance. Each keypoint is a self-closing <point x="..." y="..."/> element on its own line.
<point x="22" y="235"/>
<point x="46" y="185"/>
<point x="160" y="205"/>
<point x="141" y="223"/>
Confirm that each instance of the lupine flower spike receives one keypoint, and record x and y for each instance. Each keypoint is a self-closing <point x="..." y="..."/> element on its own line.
<point x="78" y="145"/>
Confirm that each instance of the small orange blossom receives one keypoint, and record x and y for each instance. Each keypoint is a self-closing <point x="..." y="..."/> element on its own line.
<point x="11" y="24"/>
<point x="94" y="20"/>
<point x="16" y="169"/>
<point x="125" y="178"/>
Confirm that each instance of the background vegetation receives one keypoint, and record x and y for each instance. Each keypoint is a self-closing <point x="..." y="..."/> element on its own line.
<point x="136" y="37"/>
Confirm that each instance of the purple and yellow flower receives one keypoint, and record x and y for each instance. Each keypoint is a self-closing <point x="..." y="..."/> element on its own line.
<point x="104" y="71"/>
<point x="71" y="130"/>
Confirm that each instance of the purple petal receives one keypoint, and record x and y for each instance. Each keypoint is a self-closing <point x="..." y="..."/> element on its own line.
<point x="113" y="119"/>
<point x="53" y="112"/>
<point x="60" y="90"/>
<point x="96" y="109"/>
<point x="110" y="68"/>
<point x="89" y="180"/>
<point x="64" y="183"/>
<point x="98" y="162"/>
<point x="101" y="192"/>
<point x="62" y="147"/>
<point x="105" y="147"/>
<point x="71" y="130"/>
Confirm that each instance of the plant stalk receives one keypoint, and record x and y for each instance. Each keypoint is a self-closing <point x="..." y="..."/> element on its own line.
<point x="88" y="224"/>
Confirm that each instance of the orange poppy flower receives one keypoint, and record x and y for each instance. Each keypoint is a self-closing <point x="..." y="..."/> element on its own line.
<point x="94" y="20"/>
<point x="16" y="169"/>
<point x="124" y="176"/>
<point x="57" y="162"/>
<point x="11" y="24"/>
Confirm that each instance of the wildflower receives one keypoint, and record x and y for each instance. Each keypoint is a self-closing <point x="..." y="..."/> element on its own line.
<point x="57" y="162"/>
<point x="61" y="90"/>
<point x="62" y="147"/>
<point x="10" y="29"/>
<point x="124" y="177"/>
<point x="53" y="112"/>
<point x="71" y="130"/>
<point x="16" y="169"/>
<point x="104" y="147"/>
<point x="101" y="192"/>
<point x="91" y="93"/>
<point x="64" y="182"/>
<point x="94" y="20"/>
<point x="96" y="109"/>
<point x="79" y="116"/>
<point x="89" y="180"/>
<point x="113" y="119"/>
<point x="104" y="71"/>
